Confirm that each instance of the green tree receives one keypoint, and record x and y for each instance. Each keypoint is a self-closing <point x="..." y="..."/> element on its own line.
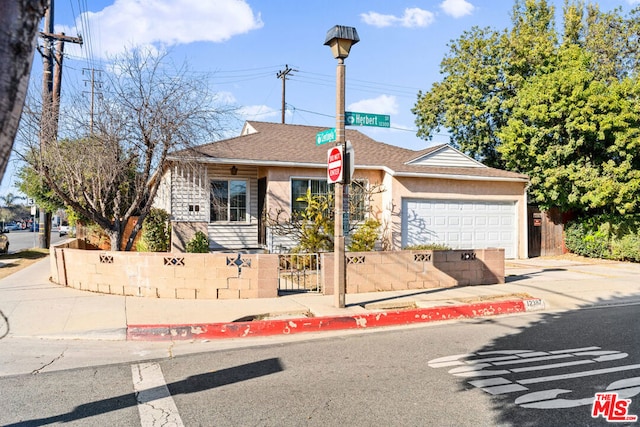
<point x="482" y="74"/>
<point x="576" y="137"/>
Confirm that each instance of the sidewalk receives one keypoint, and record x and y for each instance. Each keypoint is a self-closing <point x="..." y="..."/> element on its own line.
<point x="37" y="308"/>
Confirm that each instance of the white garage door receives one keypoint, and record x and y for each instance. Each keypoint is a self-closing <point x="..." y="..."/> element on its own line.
<point x="460" y="224"/>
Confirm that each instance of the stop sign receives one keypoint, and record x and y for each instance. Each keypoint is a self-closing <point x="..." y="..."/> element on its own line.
<point x="334" y="165"/>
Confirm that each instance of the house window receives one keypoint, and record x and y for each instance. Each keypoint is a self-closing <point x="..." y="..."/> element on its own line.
<point x="228" y="200"/>
<point x="357" y="192"/>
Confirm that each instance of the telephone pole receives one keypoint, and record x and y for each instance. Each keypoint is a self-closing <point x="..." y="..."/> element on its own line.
<point x="51" y="88"/>
<point x="283" y="75"/>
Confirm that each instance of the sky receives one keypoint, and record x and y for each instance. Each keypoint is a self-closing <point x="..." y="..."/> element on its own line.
<point x="243" y="45"/>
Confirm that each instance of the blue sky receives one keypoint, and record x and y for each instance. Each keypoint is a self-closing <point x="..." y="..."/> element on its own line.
<point x="244" y="43"/>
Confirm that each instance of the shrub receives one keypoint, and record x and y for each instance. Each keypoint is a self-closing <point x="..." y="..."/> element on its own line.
<point x="605" y="236"/>
<point x="199" y="244"/>
<point x="428" y="247"/>
<point x="365" y="237"/>
<point x="156" y="232"/>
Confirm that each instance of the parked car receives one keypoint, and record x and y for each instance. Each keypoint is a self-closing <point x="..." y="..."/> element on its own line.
<point x="12" y="226"/>
<point x="4" y="243"/>
<point x="64" y="229"/>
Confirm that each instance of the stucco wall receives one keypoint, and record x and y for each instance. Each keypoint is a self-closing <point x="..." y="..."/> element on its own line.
<point x="182" y="232"/>
<point x="451" y="189"/>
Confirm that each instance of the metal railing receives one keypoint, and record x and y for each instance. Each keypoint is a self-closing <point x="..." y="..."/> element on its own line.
<point x="299" y="273"/>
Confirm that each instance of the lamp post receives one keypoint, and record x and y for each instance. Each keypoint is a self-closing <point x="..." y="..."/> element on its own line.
<point x="340" y="39"/>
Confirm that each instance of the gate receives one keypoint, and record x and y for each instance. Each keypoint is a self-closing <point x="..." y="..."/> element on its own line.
<point x="299" y="273"/>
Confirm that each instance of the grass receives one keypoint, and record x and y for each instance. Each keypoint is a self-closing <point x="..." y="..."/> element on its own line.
<point x="10" y="263"/>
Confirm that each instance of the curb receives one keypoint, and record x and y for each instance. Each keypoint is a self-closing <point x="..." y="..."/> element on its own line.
<point x="262" y="328"/>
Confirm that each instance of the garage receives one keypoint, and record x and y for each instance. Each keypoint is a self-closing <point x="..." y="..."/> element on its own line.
<point x="460" y="224"/>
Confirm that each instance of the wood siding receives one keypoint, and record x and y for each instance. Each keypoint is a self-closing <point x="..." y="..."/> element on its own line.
<point x="235" y="235"/>
<point x="190" y="193"/>
<point x="447" y="157"/>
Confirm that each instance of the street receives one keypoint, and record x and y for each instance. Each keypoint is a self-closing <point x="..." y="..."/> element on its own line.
<point x="525" y="370"/>
<point x="25" y="239"/>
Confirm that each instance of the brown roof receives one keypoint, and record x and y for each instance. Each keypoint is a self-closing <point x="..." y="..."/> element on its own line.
<point x="275" y="144"/>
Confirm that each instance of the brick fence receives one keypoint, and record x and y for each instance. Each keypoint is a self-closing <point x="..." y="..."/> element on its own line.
<point x="235" y="276"/>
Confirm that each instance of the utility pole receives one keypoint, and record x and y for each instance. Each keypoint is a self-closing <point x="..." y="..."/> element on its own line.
<point x="51" y="88"/>
<point x="283" y="75"/>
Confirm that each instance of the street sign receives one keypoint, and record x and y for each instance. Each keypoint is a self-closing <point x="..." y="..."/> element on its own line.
<point x="366" y="119"/>
<point x="326" y="136"/>
<point x="334" y="165"/>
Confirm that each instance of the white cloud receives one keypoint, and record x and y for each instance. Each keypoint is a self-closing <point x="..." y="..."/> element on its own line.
<point x="258" y="112"/>
<point x="413" y="17"/>
<point x="384" y="104"/>
<point x="457" y="8"/>
<point x="164" y="23"/>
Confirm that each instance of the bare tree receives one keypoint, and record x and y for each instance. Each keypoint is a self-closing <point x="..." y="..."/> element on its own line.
<point x="19" y="21"/>
<point x="108" y="167"/>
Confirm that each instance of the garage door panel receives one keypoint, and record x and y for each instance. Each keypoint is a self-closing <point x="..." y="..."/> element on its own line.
<point x="460" y="224"/>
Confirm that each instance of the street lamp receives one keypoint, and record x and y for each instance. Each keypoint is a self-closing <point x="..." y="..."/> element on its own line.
<point x="340" y="39"/>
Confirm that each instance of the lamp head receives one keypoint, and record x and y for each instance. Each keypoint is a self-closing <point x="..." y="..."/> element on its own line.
<point x="340" y="39"/>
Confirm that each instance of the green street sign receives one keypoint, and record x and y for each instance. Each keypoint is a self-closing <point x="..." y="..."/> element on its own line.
<point x="326" y="136"/>
<point x="366" y="119"/>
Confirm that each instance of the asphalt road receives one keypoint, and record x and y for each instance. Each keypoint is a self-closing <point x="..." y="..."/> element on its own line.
<point x="24" y="239"/>
<point x="525" y="370"/>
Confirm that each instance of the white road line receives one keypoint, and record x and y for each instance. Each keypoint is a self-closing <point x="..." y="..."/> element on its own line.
<point x="533" y="359"/>
<point x="578" y="374"/>
<point x="155" y="404"/>
<point x="552" y="366"/>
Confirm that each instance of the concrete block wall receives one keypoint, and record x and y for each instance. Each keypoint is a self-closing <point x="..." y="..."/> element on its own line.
<point x="402" y="270"/>
<point x="236" y="276"/>
<point x="167" y="275"/>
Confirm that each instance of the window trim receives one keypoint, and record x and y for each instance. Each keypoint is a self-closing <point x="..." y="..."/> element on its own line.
<point x="228" y="179"/>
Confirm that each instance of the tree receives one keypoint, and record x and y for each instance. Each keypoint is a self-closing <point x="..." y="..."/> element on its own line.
<point x="577" y="137"/>
<point x="19" y="21"/>
<point x="563" y="111"/>
<point x="107" y="167"/>
<point x="482" y="73"/>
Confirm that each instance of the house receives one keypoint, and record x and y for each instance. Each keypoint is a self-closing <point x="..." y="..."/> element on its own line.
<point x="436" y="195"/>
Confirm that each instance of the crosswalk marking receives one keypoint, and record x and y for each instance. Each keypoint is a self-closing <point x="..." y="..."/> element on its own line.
<point x="489" y="368"/>
<point x="578" y="374"/>
<point x="155" y="404"/>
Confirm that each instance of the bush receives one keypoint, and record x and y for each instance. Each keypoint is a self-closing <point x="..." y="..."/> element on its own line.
<point x="605" y="236"/>
<point x="428" y="247"/>
<point x="156" y="232"/>
<point x="199" y="244"/>
<point x="365" y="237"/>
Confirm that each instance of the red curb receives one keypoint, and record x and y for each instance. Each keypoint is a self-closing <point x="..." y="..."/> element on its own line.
<point x="329" y="323"/>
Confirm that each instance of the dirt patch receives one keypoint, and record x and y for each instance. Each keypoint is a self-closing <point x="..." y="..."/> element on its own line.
<point x="472" y="300"/>
<point x="10" y="263"/>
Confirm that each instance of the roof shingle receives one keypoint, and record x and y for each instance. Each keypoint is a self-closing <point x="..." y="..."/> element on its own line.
<point x="285" y="144"/>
